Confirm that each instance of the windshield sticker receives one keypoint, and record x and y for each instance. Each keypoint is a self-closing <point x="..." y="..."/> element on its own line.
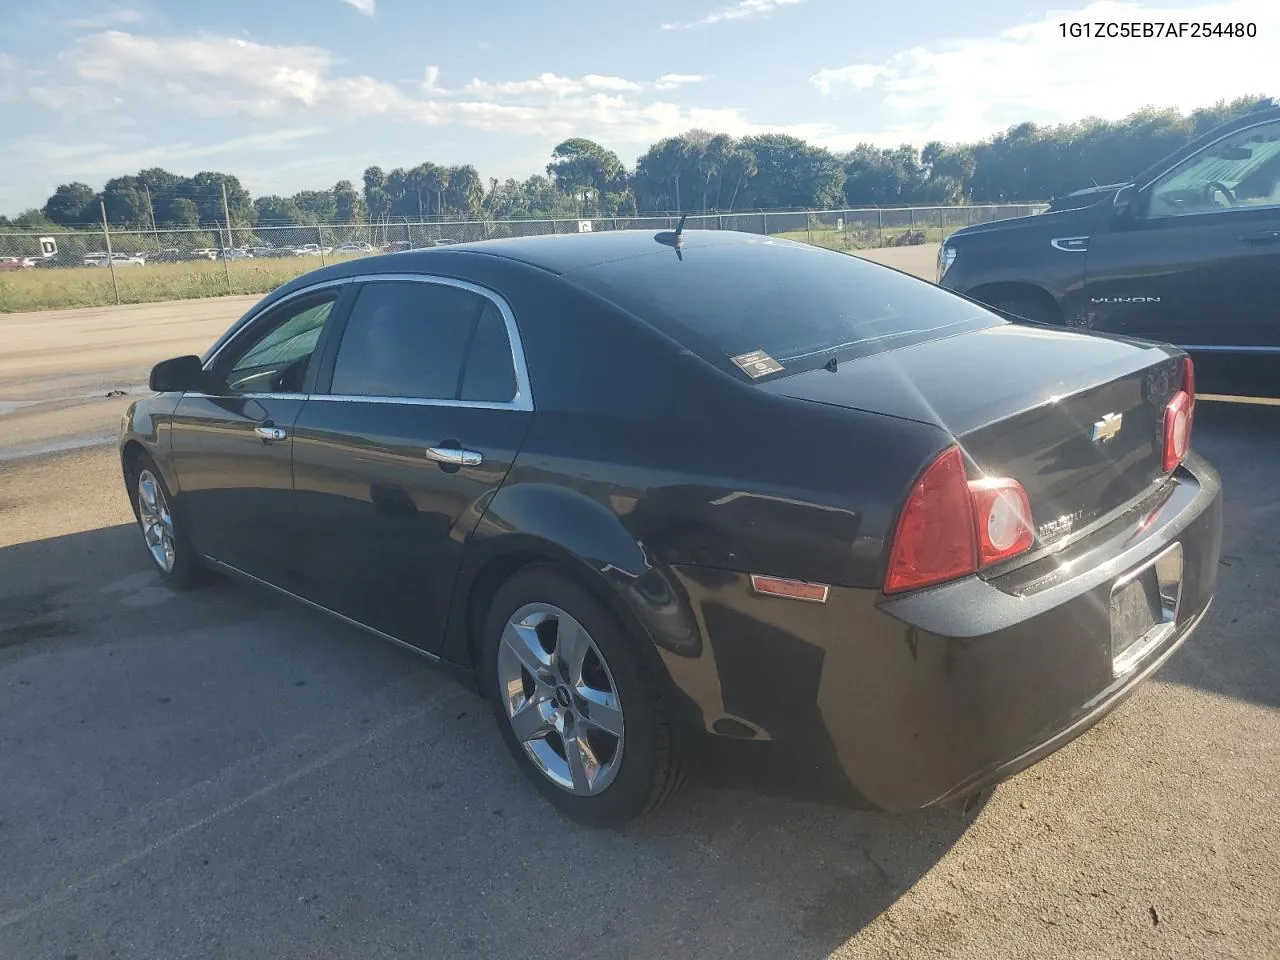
<point x="757" y="363"/>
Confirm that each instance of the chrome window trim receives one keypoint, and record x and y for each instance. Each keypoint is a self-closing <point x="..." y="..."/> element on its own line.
<point x="418" y="401"/>
<point x="523" y="399"/>
<point x="248" y="396"/>
<point x="1227" y="348"/>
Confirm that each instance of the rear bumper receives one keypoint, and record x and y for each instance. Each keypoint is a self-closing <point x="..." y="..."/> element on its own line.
<point x="905" y="703"/>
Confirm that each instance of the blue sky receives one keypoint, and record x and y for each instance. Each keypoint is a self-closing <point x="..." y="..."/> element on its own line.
<point x="296" y="94"/>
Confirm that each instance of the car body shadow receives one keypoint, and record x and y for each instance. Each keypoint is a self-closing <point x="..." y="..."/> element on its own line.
<point x="714" y="872"/>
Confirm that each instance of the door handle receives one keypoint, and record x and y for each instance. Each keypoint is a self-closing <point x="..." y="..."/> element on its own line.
<point x="455" y="456"/>
<point x="1265" y="236"/>
<point x="271" y="433"/>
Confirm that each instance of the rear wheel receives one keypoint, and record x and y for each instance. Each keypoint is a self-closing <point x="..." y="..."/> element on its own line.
<point x="164" y="536"/>
<point x="575" y="708"/>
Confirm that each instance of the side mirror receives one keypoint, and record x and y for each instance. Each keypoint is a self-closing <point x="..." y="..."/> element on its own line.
<point x="1124" y="207"/>
<point x="177" y="375"/>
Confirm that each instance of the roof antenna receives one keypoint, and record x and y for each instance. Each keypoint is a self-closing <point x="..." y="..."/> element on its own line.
<point x="674" y="238"/>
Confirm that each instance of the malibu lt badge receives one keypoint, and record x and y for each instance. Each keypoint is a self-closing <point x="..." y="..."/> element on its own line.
<point x="1107" y="428"/>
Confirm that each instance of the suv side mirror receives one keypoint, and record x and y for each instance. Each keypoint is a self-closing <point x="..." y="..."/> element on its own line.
<point x="1124" y="207"/>
<point x="177" y="375"/>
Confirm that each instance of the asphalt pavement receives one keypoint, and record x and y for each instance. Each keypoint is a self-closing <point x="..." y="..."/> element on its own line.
<point x="225" y="774"/>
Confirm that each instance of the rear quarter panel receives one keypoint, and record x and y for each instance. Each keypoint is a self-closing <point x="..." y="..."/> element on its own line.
<point x="641" y="457"/>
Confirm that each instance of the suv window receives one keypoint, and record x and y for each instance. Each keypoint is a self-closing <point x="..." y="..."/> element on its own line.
<point x="490" y="373"/>
<point x="406" y="339"/>
<point x="276" y="359"/>
<point x="1241" y="170"/>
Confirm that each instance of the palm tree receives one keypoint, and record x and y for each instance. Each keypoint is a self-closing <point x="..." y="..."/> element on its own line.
<point x="740" y="166"/>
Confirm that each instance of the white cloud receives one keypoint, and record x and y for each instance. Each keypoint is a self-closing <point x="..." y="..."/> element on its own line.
<point x="118" y="17"/>
<point x="116" y="74"/>
<point x="669" y="81"/>
<point x="974" y="87"/>
<point x="364" y="6"/>
<point x="742" y="10"/>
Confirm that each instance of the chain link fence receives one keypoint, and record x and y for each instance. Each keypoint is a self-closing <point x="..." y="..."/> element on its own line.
<point x="87" y="267"/>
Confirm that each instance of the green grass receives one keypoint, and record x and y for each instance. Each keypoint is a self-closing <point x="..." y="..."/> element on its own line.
<point x="56" y="287"/>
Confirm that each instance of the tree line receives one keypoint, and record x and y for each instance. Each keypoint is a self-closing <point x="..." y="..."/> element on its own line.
<point x="696" y="171"/>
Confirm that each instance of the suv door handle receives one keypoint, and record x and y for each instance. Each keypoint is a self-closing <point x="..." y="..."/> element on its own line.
<point x="455" y="456"/>
<point x="269" y="433"/>
<point x="1264" y="236"/>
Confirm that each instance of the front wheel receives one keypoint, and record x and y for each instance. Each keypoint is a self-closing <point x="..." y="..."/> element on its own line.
<point x="582" y="720"/>
<point x="164" y="536"/>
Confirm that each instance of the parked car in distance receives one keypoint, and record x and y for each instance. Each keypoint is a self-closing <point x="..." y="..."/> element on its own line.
<point x="1187" y="252"/>
<point x="92" y="259"/>
<point x="203" y="253"/>
<point x="355" y="248"/>
<point x="234" y="253"/>
<point x="17" y="263"/>
<point x="307" y="250"/>
<point x="116" y="260"/>
<point x="168" y="255"/>
<point x="700" y="501"/>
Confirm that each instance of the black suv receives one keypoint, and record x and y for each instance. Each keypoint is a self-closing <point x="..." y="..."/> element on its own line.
<point x="1188" y="252"/>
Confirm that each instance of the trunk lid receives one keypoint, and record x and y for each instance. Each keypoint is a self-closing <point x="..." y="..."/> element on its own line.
<point x="1023" y="402"/>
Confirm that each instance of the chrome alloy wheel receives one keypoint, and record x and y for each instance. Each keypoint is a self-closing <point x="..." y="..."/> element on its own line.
<point x="561" y="699"/>
<point x="156" y="520"/>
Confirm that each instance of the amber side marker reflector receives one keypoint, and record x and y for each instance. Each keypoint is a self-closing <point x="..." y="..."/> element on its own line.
<point x="791" y="589"/>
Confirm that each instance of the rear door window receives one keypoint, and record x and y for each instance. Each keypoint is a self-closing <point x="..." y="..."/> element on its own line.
<point x="491" y="374"/>
<point x="406" y="339"/>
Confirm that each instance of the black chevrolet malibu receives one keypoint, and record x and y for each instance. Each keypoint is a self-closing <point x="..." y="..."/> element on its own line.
<point x="705" y="502"/>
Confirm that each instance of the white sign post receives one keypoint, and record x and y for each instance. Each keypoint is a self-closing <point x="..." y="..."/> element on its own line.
<point x="48" y="247"/>
<point x="584" y="226"/>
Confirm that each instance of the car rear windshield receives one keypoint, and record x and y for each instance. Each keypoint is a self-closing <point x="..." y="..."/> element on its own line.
<point x="798" y="305"/>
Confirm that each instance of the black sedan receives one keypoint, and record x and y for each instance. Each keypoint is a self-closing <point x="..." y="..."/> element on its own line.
<point x="700" y="502"/>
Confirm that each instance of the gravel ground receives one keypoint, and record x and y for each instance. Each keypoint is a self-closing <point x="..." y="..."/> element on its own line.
<point x="225" y="774"/>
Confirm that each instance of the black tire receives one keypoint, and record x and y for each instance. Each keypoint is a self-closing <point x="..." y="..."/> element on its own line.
<point x="187" y="570"/>
<point x="1031" y="308"/>
<point x="649" y="772"/>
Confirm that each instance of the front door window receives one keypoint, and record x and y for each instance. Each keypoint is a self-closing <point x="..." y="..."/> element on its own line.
<point x="1240" y="171"/>
<point x="276" y="359"/>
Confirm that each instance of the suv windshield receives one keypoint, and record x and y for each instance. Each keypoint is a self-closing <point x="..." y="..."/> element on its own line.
<point x="797" y="304"/>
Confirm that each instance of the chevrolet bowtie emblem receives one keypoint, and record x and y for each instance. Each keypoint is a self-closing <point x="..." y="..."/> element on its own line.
<point x="1106" y="428"/>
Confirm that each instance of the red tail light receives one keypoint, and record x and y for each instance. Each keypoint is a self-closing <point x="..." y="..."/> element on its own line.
<point x="1178" y="415"/>
<point x="952" y="526"/>
<point x="1003" y="514"/>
